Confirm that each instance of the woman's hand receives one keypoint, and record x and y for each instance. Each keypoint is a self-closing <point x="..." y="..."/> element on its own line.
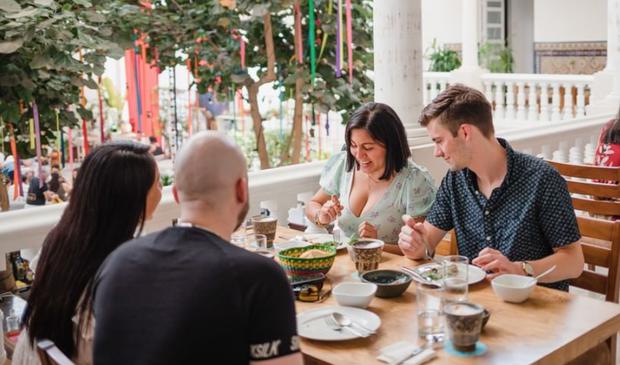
<point x="330" y="210"/>
<point x="367" y="230"/>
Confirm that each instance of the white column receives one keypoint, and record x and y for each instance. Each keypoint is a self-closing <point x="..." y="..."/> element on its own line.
<point x="397" y="39"/>
<point x="606" y="84"/>
<point x="469" y="73"/>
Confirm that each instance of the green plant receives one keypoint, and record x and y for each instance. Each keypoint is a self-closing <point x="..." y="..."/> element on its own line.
<point x="496" y="58"/>
<point x="442" y="59"/>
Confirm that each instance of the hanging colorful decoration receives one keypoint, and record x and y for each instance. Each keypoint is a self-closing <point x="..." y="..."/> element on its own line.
<point x="298" y="41"/>
<point x="189" y="95"/>
<point x="17" y="180"/>
<point x="350" y="41"/>
<point x="327" y="123"/>
<point x="31" y="134"/>
<point x="101" y="117"/>
<point x="324" y="41"/>
<point x="70" y="139"/>
<point x="37" y="131"/>
<point x="311" y="40"/>
<point x="339" y="39"/>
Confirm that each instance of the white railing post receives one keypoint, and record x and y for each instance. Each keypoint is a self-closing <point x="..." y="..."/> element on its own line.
<point x="532" y="113"/>
<point x="576" y="153"/>
<point x="510" y="101"/>
<point x="555" y="107"/>
<point x="581" y="101"/>
<point x="567" y="111"/>
<point x="488" y="91"/>
<point x="499" y="100"/>
<point x="547" y="151"/>
<point x="425" y="93"/>
<point x="520" y="100"/>
<point x="544" y="101"/>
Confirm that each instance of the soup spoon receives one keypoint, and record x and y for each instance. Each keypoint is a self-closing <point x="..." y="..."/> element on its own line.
<point x="544" y="273"/>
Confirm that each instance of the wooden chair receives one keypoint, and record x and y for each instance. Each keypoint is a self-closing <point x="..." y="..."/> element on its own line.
<point x="594" y="197"/>
<point x="447" y="246"/>
<point x="49" y="354"/>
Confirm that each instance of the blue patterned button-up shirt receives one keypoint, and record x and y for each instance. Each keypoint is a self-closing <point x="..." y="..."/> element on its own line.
<point x="529" y="215"/>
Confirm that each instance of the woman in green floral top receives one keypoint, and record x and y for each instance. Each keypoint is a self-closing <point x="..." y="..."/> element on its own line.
<point x="373" y="183"/>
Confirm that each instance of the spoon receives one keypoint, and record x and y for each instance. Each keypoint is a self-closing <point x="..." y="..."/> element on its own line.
<point x="544" y="273"/>
<point x="345" y="321"/>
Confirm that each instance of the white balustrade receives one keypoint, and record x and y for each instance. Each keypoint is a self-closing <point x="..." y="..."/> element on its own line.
<point x="524" y="97"/>
<point x="434" y="83"/>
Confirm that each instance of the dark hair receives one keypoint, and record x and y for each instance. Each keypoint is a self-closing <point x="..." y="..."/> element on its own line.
<point x="457" y="105"/>
<point x="385" y="127"/>
<point x="54" y="184"/>
<point x="611" y="135"/>
<point x="107" y="204"/>
<point x="152" y="139"/>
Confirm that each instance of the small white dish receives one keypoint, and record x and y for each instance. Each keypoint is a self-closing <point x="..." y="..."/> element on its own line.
<point x="353" y="294"/>
<point x="474" y="273"/>
<point x="513" y="288"/>
<point x="311" y="324"/>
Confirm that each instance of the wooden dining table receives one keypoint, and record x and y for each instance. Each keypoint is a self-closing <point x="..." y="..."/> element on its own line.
<point x="551" y="327"/>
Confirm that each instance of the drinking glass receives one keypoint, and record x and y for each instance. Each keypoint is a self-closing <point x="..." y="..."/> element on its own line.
<point x="238" y="239"/>
<point x="429" y="308"/>
<point x="257" y="242"/>
<point x="455" y="278"/>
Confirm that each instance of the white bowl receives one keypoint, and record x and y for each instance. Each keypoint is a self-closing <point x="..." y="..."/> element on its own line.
<point x="352" y="294"/>
<point x="513" y="288"/>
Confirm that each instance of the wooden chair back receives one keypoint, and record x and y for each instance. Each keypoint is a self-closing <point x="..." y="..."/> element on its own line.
<point x="598" y="187"/>
<point x="448" y="246"/>
<point x="601" y="247"/>
<point x="49" y="354"/>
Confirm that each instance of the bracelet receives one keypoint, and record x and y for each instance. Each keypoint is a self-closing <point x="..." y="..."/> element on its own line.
<point x="316" y="219"/>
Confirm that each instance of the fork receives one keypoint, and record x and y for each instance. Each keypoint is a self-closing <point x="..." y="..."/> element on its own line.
<point x="331" y="323"/>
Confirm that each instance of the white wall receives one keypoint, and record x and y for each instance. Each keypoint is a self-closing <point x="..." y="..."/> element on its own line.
<point x="570" y="20"/>
<point x="521" y="34"/>
<point x="441" y="19"/>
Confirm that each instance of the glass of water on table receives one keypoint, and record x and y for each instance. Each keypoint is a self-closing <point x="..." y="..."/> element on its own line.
<point x="429" y="310"/>
<point x="455" y="270"/>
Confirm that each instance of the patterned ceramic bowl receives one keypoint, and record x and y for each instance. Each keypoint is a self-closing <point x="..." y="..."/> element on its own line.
<point x="298" y="268"/>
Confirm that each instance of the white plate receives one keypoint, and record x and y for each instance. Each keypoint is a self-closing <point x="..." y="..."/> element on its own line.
<point x="311" y="324"/>
<point x="475" y="274"/>
<point x="322" y="238"/>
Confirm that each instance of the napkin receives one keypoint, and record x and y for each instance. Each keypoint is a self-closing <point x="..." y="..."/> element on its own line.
<point x="400" y="352"/>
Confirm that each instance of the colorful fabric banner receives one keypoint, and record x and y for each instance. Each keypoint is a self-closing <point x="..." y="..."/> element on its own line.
<point x="101" y="117"/>
<point x="339" y="39"/>
<point x="350" y="41"/>
<point x="311" y="40"/>
<point x="17" y="179"/>
<point x="37" y="131"/>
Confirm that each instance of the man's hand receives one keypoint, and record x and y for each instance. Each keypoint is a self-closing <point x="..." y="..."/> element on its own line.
<point x="411" y="238"/>
<point x="367" y="230"/>
<point x="493" y="261"/>
<point x="330" y="210"/>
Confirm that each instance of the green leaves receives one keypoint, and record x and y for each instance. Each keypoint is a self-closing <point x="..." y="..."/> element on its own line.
<point x="11" y="46"/>
<point x="10" y="6"/>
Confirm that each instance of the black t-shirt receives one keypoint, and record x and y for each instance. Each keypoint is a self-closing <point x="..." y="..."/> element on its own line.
<point x="185" y="296"/>
<point x="35" y="192"/>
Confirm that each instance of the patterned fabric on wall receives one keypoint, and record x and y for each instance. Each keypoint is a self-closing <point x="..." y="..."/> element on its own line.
<point x="583" y="58"/>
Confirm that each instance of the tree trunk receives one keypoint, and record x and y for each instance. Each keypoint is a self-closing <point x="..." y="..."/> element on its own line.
<point x="257" y="122"/>
<point x="253" y="88"/>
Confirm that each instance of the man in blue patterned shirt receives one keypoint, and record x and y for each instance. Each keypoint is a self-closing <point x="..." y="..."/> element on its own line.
<point x="512" y="212"/>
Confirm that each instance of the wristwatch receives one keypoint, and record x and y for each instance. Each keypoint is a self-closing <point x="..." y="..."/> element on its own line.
<point x="528" y="269"/>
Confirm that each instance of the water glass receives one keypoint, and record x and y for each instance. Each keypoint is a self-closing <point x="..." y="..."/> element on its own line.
<point x="429" y="308"/>
<point x="257" y="241"/>
<point x="455" y="278"/>
<point x="238" y="239"/>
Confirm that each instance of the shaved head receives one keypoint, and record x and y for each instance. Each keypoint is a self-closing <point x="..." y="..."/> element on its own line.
<point x="207" y="169"/>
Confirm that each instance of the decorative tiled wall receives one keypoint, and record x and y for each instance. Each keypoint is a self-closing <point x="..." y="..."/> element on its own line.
<point x="569" y="57"/>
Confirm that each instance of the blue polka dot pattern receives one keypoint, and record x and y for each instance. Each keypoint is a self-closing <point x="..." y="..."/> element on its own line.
<point x="525" y="218"/>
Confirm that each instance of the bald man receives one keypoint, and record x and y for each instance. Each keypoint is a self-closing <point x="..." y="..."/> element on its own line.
<point x="185" y="295"/>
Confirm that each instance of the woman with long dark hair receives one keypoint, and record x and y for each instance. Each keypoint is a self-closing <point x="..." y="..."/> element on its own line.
<point x="117" y="189"/>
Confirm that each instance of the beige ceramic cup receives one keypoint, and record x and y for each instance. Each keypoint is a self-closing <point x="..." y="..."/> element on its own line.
<point x="266" y="226"/>
<point x="366" y="254"/>
<point x="463" y="324"/>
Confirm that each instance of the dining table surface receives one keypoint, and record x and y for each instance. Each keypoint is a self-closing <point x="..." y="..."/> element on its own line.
<point x="551" y="327"/>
